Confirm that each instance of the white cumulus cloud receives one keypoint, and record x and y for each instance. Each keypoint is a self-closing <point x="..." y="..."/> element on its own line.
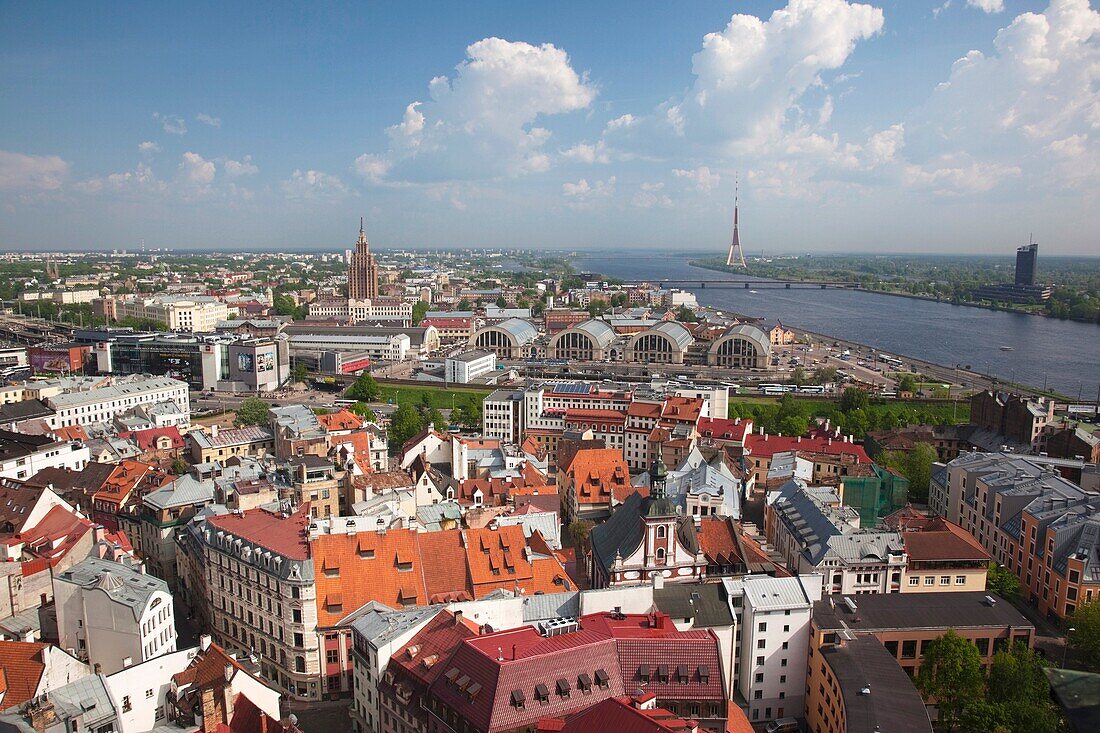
<point x="138" y="180"/>
<point x="987" y="6"/>
<point x="196" y="170"/>
<point x="210" y="120"/>
<point x="25" y="173"/>
<point x="148" y="147"/>
<point x="242" y="167"/>
<point x="172" y="124"/>
<point x="313" y="185"/>
<point x="701" y="177"/>
<point x="481" y="122"/>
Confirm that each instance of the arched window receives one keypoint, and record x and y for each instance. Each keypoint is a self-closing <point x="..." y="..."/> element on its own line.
<point x="660" y="554"/>
<point x="662" y="532"/>
<point x="299" y="664"/>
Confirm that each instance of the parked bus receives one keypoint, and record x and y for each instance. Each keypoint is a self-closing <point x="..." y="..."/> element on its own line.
<point x="343" y="403"/>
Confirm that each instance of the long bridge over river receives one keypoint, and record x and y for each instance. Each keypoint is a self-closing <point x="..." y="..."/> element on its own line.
<point x="750" y="284"/>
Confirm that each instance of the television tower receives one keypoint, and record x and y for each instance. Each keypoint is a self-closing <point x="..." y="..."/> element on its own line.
<point x="736" y="257"/>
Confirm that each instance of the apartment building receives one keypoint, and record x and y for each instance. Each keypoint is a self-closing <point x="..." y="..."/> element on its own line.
<point x="191" y="313"/>
<point x="22" y="455"/>
<point x="1040" y="526"/>
<point x="774" y="642"/>
<point x="113" y="615"/>
<point x="814" y="532"/>
<point x="94" y="404"/>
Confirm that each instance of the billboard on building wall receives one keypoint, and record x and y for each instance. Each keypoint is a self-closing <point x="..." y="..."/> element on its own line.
<point x="265" y="361"/>
<point x="246" y="362"/>
<point x="51" y="361"/>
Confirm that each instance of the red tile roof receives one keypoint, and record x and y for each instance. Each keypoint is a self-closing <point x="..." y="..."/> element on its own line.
<point x="284" y="536"/>
<point x="425" y="654"/>
<point x="720" y="428"/>
<point x="52" y="538"/>
<point x="487" y="675"/>
<point x="126" y="476"/>
<point x="207" y="668"/>
<point x="23" y="666"/>
<point x="618" y="714"/>
<point x="769" y="445"/>
<point x="942" y="540"/>
<point x="146" y="439"/>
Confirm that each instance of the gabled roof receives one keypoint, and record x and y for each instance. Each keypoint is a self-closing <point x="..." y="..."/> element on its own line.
<point x="342" y="420"/>
<point x="23" y="665"/>
<point x="618" y="714"/>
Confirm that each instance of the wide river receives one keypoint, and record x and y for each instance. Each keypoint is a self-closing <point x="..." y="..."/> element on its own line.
<point x="1064" y="355"/>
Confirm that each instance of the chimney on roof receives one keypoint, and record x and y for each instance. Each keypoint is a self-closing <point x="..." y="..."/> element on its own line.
<point x="204" y="642"/>
<point x="458" y="617"/>
<point x="513" y="652"/>
<point x="214" y="431"/>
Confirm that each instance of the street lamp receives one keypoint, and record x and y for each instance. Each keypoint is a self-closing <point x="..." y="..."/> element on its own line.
<point x="1065" y="649"/>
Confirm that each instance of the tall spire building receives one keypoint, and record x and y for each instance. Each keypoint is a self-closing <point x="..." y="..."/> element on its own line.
<point x="362" y="270"/>
<point x="736" y="256"/>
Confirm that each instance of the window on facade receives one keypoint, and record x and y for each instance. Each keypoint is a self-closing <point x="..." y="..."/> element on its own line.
<point x="909" y="649"/>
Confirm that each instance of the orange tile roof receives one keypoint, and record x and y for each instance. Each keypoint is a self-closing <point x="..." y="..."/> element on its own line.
<point x="342" y="420"/>
<point x="23" y="667"/>
<point x="122" y="481"/>
<point x="357" y="445"/>
<point x="597" y="475"/>
<point x="207" y="668"/>
<point x="682" y="409"/>
<point x="363" y="567"/>
<point x="446" y="578"/>
<point x="71" y="432"/>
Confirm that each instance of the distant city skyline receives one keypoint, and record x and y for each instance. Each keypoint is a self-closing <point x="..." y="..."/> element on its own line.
<point x="953" y="127"/>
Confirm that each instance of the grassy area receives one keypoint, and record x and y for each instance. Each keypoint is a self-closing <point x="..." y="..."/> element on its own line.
<point x="464" y="401"/>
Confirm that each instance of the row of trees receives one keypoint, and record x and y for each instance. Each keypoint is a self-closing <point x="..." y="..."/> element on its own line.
<point x="854" y="413"/>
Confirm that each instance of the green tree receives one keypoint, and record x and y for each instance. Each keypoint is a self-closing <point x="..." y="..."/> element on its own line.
<point x="686" y="315"/>
<point x="362" y="409"/>
<point x="579" y="531"/>
<point x="179" y="467"/>
<point x="420" y="308"/>
<point x="853" y="399"/>
<point x="435" y="418"/>
<point x="365" y="389"/>
<point x="283" y="305"/>
<point x="1086" y="633"/>
<point x="501" y="302"/>
<point x="952" y="674"/>
<point x="1018" y="686"/>
<point x="404" y="424"/>
<point x="537" y="308"/>
<point x="253" y="411"/>
<point x="916" y="465"/>
<point x="464" y="304"/>
<point x="907" y="383"/>
<point x="824" y="375"/>
<point x="1002" y="581"/>
<point x="798" y="376"/>
<point x="299" y="373"/>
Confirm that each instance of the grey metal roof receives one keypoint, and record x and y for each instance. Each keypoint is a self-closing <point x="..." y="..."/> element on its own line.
<point x="672" y="330"/>
<point x="124" y="584"/>
<point x="381" y="625"/>
<point x="748" y="333"/>
<point x="184" y="491"/>
<point x="133" y="388"/>
<point x="597" y="330"/>
<point x="551" y="605"/>
<point x="522" y="331"/>
<point x="768" y="593"/>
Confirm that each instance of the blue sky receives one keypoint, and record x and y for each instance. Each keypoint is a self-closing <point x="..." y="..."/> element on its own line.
<point x="891" y="126"/>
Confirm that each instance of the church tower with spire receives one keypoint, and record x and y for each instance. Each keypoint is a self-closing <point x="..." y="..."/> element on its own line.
<point x="736" y="257"/>
<point x="362" y="270"/>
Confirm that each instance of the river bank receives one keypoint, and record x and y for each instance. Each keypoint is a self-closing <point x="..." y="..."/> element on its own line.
<point x="1003" y="308"/>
